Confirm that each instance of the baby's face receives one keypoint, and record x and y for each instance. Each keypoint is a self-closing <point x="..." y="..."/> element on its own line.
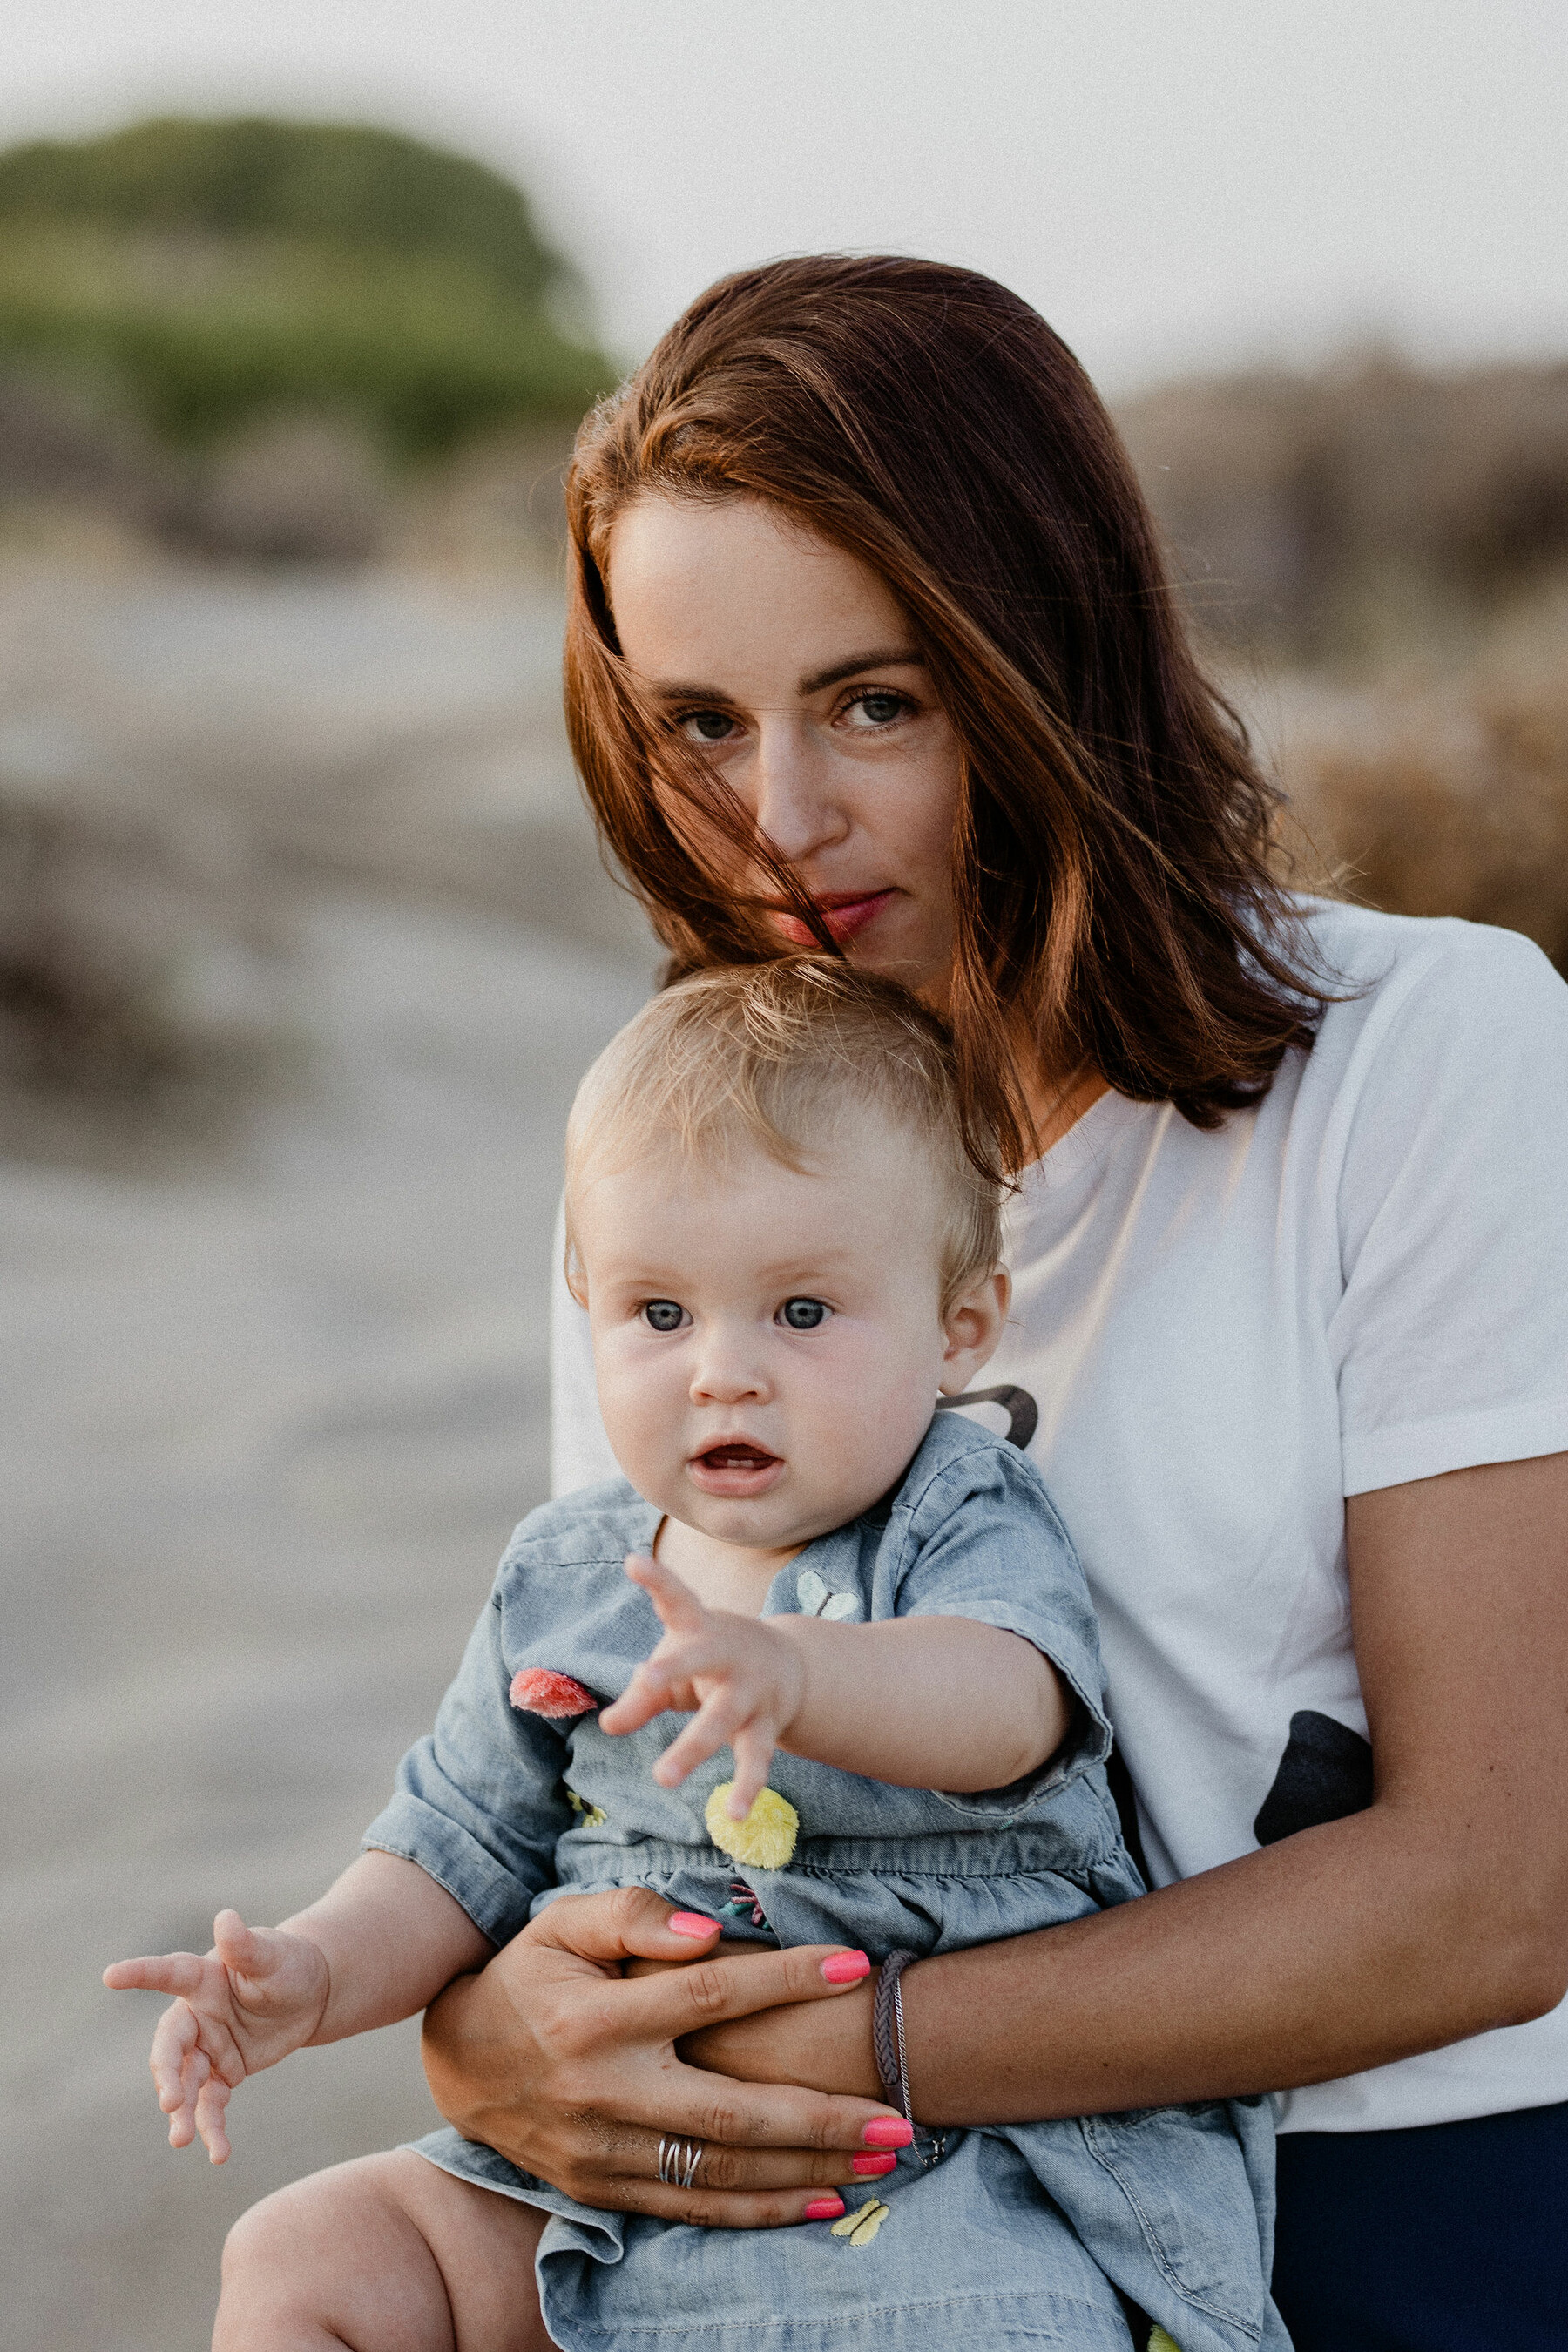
<point x="769" y="1345"/>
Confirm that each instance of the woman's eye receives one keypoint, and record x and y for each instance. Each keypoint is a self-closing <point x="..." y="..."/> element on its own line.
<point x="876" y="709"/>
<point x="663" y="1315"/>
<point x="804" y="1313"/>
<point x="707" y="726"/>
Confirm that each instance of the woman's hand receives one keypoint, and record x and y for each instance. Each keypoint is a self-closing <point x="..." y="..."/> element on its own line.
<point x="567" y="2066"/>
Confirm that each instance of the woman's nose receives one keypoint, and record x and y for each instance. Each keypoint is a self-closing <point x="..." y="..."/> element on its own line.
<point x="794" y="804"/>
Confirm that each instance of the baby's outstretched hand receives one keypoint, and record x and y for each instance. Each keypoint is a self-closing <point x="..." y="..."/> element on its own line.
<point x="256" y="1996"/>
<point x="744" y="1678"/>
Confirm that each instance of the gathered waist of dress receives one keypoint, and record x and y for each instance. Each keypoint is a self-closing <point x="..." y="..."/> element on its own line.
<point x="1024" y="1851"/>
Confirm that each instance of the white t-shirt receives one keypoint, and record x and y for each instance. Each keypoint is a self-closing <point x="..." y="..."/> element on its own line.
<point x="1363" y="1281"/>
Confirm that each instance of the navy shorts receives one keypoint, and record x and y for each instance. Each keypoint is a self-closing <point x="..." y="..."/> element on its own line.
<point x="1450" y="2238"/>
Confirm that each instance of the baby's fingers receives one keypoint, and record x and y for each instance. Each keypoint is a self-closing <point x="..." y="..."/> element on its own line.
<point x="679" y="1607"/>
<point x="753" y="1751"/>
<point x="212" y="2100"/>
<point x="180" y="1973"/>
<point x="648" y="1693"/>
<point x="714" y="1726"/>
<point x="179" y="2067"/>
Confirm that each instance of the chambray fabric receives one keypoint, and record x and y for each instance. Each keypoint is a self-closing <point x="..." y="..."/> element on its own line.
<point x="1030" y="2234"/>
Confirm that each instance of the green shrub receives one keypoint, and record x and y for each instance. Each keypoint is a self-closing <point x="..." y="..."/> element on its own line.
<point x="213" y="271"/>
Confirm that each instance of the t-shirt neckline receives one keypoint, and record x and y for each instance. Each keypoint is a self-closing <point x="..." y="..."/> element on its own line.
<point x="1086" y="1141"/>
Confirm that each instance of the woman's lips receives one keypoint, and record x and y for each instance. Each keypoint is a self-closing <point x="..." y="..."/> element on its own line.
<point x="844" y="917"/>
<point x="734" y="1468"/>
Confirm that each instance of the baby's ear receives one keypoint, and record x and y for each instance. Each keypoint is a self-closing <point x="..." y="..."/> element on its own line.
<point x="576" y="1277"/>
<point x="972" y="1324"/>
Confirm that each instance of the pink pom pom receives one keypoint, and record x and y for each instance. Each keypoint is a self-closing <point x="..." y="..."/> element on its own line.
<point x="540" y="1690"/>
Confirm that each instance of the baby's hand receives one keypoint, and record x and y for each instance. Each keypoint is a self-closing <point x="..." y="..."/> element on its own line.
<point x="745" y="1679"/>
<point x="258" y="1995"/>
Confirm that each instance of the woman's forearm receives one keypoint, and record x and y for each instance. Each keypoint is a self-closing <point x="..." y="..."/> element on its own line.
<point x="1341" y="1949"/>
<point x="1439" y="1912"/>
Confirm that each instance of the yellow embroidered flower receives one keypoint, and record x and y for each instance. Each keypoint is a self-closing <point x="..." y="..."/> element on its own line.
<point x="765" y="1840"/>
<point x="1159" y="2342"/>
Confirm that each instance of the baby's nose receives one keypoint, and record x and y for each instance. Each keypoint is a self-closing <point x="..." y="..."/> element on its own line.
<point x="726" y="1376"/>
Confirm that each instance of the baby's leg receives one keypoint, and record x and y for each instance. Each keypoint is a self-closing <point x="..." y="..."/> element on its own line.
<point x="388" y="2254"/>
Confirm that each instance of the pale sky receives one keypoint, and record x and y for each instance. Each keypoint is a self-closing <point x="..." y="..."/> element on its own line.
<point x="1177" y="183"/>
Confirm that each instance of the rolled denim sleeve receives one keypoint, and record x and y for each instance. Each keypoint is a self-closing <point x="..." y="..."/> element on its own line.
<point x="480" y="1802"/>
<point x="985" y="1542"/>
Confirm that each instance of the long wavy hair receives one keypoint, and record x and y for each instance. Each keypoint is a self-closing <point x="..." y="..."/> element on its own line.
<point x="1115" y="901"/>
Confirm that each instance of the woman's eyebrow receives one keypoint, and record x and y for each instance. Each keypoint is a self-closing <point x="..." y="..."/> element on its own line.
<point x="672" y="690"/>
<point x="886" y="657"/>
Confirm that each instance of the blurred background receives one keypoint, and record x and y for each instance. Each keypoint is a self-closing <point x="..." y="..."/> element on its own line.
<point x="304" y="938"/>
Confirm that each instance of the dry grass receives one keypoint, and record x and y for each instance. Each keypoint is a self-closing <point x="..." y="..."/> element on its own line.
<point x="1364" y="514"/>
<point x="1387" y="551"/>
<point x="1432" y="793"/>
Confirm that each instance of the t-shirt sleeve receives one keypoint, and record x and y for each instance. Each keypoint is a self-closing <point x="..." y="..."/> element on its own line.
<point x="985" y="1542"/>
<point x="480" y="1802"/>
<point x="580" y="1453"/>
<point x="1450" y="1341"/>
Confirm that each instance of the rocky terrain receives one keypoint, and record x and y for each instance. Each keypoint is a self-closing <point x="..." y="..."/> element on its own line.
<point x="330" y="947"/>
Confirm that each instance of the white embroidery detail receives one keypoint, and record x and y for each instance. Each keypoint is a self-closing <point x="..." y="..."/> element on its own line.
<point x="816" y="1601"/>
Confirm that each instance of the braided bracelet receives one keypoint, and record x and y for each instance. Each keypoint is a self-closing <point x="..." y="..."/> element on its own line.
<point x="892" y="2062"/>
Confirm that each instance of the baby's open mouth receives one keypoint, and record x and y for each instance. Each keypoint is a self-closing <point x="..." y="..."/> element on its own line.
<point x="735" y="1466"/>
<point x="736" y="1457"/>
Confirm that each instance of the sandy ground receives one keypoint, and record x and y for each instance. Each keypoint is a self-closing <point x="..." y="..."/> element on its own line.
<point x="276" y="1396"/>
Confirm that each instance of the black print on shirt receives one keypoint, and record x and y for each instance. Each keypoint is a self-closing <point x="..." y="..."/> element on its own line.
<point x="1324" y="1774"/>
<point x="1023" y="1413"/>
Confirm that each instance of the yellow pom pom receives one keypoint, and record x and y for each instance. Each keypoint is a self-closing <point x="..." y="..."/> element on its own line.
<point x="765" y="1840"/>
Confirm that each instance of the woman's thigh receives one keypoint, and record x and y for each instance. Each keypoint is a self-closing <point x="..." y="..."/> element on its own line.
<point x="1450" y="2238"/>
<point x="387" y="2254"/>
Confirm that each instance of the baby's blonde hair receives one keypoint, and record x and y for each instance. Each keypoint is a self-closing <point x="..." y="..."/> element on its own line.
<point x="771" y="1056"/>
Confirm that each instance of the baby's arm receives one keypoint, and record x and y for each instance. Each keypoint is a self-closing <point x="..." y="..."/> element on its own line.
<point x="925" y="1702"/>
<point x="379" y="1946"/>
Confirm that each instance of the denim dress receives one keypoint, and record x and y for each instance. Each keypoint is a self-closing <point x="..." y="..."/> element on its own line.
<point x="1026" y="2234"/>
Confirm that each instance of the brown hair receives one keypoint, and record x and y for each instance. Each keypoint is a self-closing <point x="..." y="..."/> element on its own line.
<point x="1114" y="897"/>
<point x="773" y="1056"/>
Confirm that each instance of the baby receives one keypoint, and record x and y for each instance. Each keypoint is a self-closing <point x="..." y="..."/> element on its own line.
<point x="874" y="1716"/>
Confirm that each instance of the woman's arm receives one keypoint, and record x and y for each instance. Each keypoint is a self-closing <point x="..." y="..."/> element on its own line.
<point x="1439" y="1912"/>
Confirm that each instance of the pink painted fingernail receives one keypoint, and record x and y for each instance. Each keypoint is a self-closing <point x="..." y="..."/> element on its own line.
<point x="691" y="1922"/>
<point x="888" y="2131"/>
<point x="867" y="2166"/>
<point x="824" y="2209"/>
<point x="845" y="1968"/>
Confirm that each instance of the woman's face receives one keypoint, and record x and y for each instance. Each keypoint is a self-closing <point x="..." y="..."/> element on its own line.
<point x="788" y="666"/>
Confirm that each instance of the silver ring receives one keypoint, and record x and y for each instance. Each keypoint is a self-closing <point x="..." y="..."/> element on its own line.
<point x="678" y="2160"/>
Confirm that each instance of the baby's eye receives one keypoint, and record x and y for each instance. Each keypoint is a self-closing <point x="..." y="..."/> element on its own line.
<point x="663" y="1315"/>
<point x="804" y="1313"/>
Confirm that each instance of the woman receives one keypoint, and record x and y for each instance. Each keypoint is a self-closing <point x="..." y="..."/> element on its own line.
<point x="870" y="646"/>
